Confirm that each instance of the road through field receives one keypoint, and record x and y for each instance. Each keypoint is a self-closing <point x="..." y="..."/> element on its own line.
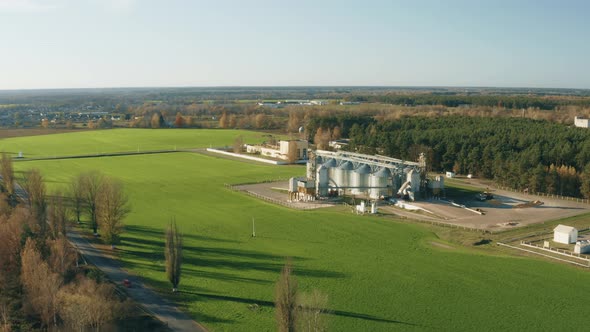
<point x="155" y="304"/>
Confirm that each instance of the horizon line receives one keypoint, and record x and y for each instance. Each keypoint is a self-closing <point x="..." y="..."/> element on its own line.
<point x="294" y="86"/>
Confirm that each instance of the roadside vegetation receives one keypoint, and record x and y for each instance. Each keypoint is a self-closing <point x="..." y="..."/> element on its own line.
<point x="42" y="285"/>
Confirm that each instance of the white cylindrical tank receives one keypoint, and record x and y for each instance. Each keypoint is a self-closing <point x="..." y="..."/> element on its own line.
<point x="342" y="174"/>
<point x="378" y="182"/>
<point x="293" y="184"/>
<point x="330" y="165"/>
<point x="360" y="179"/>
<point x="322" y="181"/>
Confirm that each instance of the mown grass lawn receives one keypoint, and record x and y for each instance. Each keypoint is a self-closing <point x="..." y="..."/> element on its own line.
<point x="123" y="140"/>
<point x="380" y="274"/>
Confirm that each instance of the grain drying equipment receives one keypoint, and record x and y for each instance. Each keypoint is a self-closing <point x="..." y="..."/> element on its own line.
<point x="372" y="176"/>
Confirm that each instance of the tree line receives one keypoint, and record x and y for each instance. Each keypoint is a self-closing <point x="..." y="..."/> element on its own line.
<point x="456" y="100"/>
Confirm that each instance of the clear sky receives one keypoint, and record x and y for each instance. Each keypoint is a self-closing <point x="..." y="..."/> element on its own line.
<point x="133" y="43"/>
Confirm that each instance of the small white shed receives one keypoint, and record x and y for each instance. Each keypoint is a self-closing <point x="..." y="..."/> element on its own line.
<point x="582" y="247"/>
<point x="565" y="234"/>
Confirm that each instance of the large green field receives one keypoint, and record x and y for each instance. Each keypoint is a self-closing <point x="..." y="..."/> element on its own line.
<point x="123" y="140"/>
<point x="380" y="274"/>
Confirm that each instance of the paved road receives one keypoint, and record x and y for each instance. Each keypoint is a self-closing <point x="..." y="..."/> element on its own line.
<point x="155" y="304"/>
<point x="159" y="307"/>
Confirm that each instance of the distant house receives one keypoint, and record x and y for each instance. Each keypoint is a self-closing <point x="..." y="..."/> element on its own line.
<point x="581" y="122"/>
<point x="565" y="234"/>
<point x="270" y="104"/>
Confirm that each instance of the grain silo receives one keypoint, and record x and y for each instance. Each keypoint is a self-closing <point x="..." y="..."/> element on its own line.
<point x="330" y="165"/>
<point x="373" y="175"/>
<point x="342" y="174"/>
<point x="322" y="180"/>
<point x="360" y="179"/>
<point x="379" y="183"/>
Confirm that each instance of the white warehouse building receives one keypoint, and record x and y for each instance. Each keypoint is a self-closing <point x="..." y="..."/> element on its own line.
<point x="565" y="234"/>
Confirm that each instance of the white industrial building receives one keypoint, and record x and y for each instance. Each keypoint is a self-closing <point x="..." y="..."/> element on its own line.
<point x="565" y="234"/>
<point x="372" y="176"/>
<point x="581" y="122"/>
<point x="282" y="150"/>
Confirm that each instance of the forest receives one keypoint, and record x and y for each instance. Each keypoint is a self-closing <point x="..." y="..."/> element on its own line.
<point x="520" y="153"/>
<point x="456" y="100"/>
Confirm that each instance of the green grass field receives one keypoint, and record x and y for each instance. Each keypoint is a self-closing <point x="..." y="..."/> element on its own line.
<point x="123" y="140"/>
<point x="380" y="274"/>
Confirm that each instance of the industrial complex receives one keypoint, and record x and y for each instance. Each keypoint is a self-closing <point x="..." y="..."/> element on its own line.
<point x="344" y="173"/>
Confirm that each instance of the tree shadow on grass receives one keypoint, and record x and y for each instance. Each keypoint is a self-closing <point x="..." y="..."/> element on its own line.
<point x="270" y="304"/>
<point x="203" y="250"/>
<point x="233" y="259"/>
<point x="143" y="230"/>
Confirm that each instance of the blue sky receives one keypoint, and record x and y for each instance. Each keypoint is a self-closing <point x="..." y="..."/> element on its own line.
<point x="130" y="43"/>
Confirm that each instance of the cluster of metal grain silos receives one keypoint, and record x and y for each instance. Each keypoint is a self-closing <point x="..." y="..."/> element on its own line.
<point x="349" y="173"/>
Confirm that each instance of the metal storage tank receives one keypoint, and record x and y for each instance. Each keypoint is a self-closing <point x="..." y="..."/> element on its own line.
<point x="360" y="179"/>
<point x="322" y="180"/>
<point x="330" y="165"/>
<point x="341" y="174"/>
<point x="378" y="182"/>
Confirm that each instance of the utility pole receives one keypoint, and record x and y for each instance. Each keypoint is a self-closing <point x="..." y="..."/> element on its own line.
<point x="253" y="228"/>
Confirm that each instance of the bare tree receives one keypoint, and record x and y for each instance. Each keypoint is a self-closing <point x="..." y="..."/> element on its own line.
<point x="35" y="187"/>
<point x="173" y="254"/>
<point x="233" y="121"/>
<point x="322" y="138"/>
<point x="179" y="121"/>
<point x="293" y="152"/>
<point x="5" y="325"/>
<point x="62" y="255"/>
<point x="7" y="173"/>
<point x="11" y="230"/>
<point x="157" y="120"/>
<point x="89" y="304"/>
<point x="239" y="144"/>
<point x="223" y="120"/>
<point x="40" y="284"/>
<point x="111" y="208"/>
<point x="261" y="121"/>
<point x="77" y="195"/>
<point x="312" y="309"/>
<point x="57" y="215"/>
<point x="5" y="207"/>
<point x="285" y="300"/>
<point x="91" y="183"/>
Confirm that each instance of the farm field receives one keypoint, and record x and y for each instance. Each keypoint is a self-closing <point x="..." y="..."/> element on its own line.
<point x="123" y="140"/>
<point x="380" y="274"/>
